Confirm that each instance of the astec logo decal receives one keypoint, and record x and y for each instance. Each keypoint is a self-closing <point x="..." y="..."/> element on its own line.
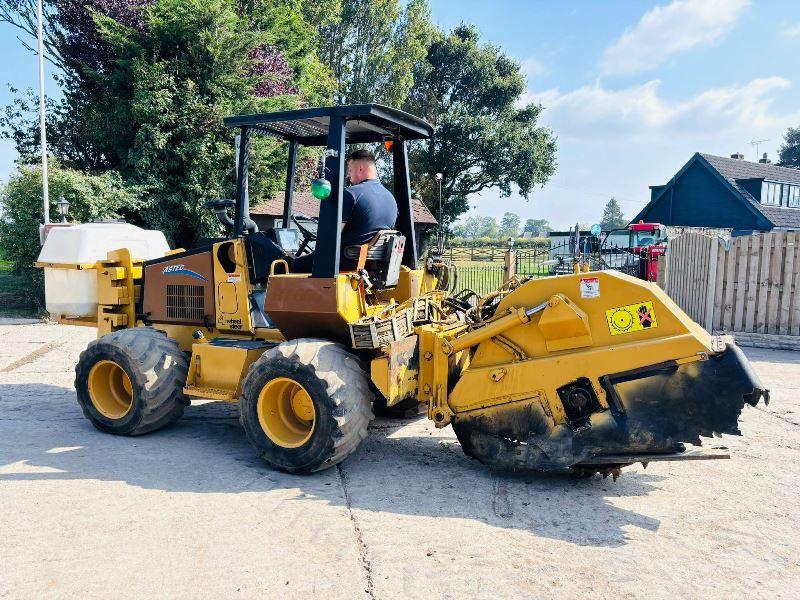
<point x="182" y="270"/>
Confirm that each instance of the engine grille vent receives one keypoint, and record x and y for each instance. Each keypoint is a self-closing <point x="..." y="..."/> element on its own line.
<point x="186" y="302"/>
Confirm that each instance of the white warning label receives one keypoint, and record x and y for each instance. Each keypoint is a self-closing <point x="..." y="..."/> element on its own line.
<point x="590" y="287"/>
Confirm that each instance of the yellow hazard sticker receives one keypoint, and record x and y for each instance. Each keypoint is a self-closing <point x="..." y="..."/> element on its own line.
<point x="630" y="318"/>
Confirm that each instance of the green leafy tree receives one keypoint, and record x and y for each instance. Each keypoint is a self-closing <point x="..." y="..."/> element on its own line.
<point x="489" y="227"/>
<point x="612" y="216"/>
<point x="90" y="197"/>
<point x="372" y="47"/>
<point x="149" y="98"/>
<point x="789" y="152"/>
<point x="537" y="227"/>
<point x="477" y="227"/>
<point x="470" y="93"/>
<point x="509" y="225"/>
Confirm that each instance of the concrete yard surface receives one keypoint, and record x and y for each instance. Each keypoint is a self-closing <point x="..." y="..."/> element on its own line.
<point x="192" y="512"/>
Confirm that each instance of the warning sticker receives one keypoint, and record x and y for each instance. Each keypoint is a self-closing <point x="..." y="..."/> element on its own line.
<point x="590" y="287"/>
<point x="630" y="318"/>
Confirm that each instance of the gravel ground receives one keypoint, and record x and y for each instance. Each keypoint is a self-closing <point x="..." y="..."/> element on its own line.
<point x="191" y="512"/>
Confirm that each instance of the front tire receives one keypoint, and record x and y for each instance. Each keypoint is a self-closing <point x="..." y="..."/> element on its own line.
<point x="130" y="382"/>
<point x="305" y="405"/>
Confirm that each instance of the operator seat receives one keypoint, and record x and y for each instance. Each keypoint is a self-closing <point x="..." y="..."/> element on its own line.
<point x="381" y="257"/>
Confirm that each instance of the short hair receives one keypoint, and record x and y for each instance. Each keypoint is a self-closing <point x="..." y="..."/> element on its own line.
<point x="362" y="154"/>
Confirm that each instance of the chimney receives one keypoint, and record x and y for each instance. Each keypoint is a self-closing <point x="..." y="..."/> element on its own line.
<point x="737" y="156"/>
<point x="764" y="160"/>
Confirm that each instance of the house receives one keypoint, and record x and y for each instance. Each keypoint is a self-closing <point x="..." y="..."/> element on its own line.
<point x="270" y="214"/>
<point x="727" y="193"/>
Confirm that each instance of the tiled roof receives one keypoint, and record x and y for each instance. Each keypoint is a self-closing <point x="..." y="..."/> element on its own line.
<point x="305" y="204"/>
<point x="732" y="170"/>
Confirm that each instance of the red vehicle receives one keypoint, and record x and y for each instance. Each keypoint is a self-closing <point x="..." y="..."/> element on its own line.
<point x="646" y="242"/>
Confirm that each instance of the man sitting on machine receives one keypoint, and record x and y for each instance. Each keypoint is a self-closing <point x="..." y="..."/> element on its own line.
<point x="367" y="208"/>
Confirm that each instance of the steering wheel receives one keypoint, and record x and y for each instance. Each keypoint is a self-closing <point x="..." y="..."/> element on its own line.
<point x="308" y="235"/>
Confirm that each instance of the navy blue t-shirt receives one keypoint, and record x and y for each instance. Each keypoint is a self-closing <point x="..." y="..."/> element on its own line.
<point x="367" y="208"/>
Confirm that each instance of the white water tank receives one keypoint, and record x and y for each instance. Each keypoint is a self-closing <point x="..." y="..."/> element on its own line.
<point x="72" y="292"/>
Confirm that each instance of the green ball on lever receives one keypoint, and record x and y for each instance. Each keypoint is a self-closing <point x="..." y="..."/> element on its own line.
<point x="321" y="188"/>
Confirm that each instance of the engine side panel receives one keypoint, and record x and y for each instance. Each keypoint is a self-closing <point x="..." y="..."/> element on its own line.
<point x="179" y="289"/>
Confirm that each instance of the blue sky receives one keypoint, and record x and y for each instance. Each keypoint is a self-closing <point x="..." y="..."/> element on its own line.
<point x="631" y="89"/>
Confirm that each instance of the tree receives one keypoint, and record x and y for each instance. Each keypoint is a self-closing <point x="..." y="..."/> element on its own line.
<point x="537" y="227"/>
<point x="612" y="216"/>
<point x="509" y="225"/>
<point x="146" y="85"/>
<point x="372" y="46"/>
<point x="789" y="152"/>
<point x="477" y="227"/>
<point x="470" y="93"/>
<point x="90" y="197"/>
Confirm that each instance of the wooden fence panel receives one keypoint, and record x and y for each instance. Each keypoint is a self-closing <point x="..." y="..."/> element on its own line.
<point x="730" y="295"/>
<point x="774" y="282"/>
<point x="742" y="246"/>
<point x="748" y="284"/>
<point x="766" y="291"/>
<point x="791" y="282"/>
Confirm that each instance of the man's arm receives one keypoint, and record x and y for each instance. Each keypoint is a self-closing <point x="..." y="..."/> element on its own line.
<point x="348" y="203"/>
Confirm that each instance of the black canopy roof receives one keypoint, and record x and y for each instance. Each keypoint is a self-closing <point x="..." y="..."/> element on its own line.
<point x="309" y="126"/>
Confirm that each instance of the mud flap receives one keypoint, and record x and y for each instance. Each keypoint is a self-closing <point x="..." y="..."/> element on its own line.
<point x="654" y="411"/>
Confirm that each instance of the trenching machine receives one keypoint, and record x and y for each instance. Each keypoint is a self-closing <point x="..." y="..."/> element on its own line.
<point x="586" y="372"/>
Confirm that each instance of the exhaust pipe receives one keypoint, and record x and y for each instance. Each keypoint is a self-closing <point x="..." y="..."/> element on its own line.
<point x="220" y="208"/>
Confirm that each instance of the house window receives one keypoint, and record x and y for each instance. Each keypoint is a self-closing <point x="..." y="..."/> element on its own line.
<point x="793" y="197"/>
<point x="771" y="194"/>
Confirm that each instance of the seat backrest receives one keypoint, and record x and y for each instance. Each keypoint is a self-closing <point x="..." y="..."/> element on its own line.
<point x="381" y="257"/>
<point x="376" y="247"/>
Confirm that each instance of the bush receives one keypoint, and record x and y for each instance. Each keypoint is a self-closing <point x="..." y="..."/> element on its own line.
<point x="486" y="242"/>
<point x="90" y="197"/>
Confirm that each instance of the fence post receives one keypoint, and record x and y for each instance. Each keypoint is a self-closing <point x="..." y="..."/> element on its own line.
<point x="510" y="259"/>
<point x="661" y="266"/>
<point x="711" y="289"/>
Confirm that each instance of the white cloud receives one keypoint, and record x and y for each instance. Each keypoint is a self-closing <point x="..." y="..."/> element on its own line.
<point x="531" y="68"/>
<point x="668" y="30"/>
<point x="640" y="112"/>
<point x="791" y="30"/>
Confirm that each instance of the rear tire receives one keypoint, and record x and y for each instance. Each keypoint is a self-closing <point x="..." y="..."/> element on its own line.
<point x="305" y="405"/>
<point x="130" y="382"/>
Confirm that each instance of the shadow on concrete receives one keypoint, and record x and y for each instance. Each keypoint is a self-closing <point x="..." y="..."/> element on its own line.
<point x="399" y="469"/>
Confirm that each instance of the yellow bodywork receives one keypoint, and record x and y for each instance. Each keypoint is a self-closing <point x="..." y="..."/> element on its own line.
<point x="232" y="288"/>
<point x="514" y="357"/>
<point x="520" y="358"/>
<point x="216" y="372"/>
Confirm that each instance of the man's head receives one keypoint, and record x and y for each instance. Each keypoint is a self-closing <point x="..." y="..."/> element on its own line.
<point x="361" y="166"/>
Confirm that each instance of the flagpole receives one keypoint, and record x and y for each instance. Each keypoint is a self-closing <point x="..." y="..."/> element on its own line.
<point x="42" y="132"/>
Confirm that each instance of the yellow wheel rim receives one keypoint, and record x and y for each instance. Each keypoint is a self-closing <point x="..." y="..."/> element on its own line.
<point x="110" y="389"/>
<point x="286" y="412"/>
